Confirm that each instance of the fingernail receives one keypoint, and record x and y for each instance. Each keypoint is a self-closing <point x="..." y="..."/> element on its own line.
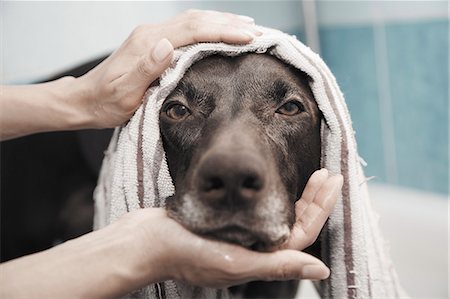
<point x="315" y="272"/>
<point x="162" y="50"/>
<point x="247" y="33"/>
<point x="257" y="31"/>
<point x="246" y="19"/>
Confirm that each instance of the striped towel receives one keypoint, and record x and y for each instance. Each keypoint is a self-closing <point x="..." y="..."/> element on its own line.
<point x="135" y="175"/>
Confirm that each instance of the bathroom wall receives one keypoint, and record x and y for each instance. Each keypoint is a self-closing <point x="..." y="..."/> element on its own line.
<point x="40" y="38"/>
<point x="391" y="61"/>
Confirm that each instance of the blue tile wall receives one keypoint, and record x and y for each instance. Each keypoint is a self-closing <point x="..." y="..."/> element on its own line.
<point x="350" y="54"/>
<point x="417" y="73"/>
<point x="299" y="34"/>
<point x="418" y="70"/>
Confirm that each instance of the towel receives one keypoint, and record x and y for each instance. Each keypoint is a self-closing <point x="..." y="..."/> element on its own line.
<point x="135" y="175"/>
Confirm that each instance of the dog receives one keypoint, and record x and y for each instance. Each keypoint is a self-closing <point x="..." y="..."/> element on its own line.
<point x="242" y="137"/>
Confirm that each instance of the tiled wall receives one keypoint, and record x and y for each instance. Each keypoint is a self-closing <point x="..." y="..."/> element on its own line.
<point x="390" y="59"/>
<point x="394" y="76"/>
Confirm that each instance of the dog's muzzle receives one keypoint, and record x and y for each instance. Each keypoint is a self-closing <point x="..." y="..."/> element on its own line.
<point x="234" y="198"/>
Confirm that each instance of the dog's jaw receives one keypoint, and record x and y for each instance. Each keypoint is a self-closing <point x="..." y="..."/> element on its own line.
<point x="267" y="227"/>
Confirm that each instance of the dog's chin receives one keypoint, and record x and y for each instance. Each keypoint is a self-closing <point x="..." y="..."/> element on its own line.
<point x="265" y="235"/>
<point x="244" y="237"/>
<point x="233" y="234"/>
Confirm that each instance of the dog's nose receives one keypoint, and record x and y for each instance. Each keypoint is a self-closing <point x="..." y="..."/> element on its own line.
<point x="230" y="178"/>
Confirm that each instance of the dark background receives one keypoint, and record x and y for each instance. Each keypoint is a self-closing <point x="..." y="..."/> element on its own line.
<point x="46" y="185"/>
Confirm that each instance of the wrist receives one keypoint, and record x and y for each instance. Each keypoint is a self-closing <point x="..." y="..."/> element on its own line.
<point x="74" y="96"/>
<point x="118" y="260"/>
<point x="147" y="254"/>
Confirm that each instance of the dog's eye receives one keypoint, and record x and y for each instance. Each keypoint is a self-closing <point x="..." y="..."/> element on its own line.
<point x="291" y="108"/>
<point x="178" y="111"/>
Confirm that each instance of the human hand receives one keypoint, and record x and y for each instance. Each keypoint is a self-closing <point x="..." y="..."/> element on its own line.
<point x="178" y="254"/>
<point x="146" y="246"/>
<point x="313" y="208"/>
<point x="114" y="89"/>
<point x="166" y="250"/>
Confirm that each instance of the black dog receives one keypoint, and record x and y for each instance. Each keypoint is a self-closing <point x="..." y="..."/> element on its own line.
<point x="242" y="137"/>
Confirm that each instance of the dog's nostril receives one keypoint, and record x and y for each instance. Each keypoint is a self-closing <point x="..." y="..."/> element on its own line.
<point x="251" y="182"/>
<point x="214" y="183"/>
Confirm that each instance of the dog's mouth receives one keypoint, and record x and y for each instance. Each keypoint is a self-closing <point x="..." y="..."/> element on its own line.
<point x="262" y="228"/>
<point x="244" y="237"/>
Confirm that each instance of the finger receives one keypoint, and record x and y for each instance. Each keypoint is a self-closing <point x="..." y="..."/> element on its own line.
<point x="316" y="214"/>
<point x="313" y="185"/>
<point x="227" y="33"/>
<point x="195" y="31"/>
<point x="150" y="66"/>
<point x="246" y="19"/>
<point x="282" y="265"/>
<point x="307" y="227"/>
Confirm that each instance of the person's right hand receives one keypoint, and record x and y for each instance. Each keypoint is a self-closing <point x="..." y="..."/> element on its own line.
<point x="175" y="253"/>
<point x="146" y="246"/>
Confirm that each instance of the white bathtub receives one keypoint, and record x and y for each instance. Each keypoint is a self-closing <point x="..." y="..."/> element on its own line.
<point x="415" y="223"/>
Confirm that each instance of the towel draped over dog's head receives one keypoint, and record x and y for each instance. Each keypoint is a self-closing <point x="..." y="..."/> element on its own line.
<point x="135" y="174"/>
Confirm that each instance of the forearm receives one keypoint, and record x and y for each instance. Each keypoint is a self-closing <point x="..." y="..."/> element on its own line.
<point x="54" y="106"/>
<point x="102" y="264"/>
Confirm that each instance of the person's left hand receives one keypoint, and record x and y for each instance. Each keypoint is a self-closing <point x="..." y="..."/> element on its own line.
<point x="114" y="89"/>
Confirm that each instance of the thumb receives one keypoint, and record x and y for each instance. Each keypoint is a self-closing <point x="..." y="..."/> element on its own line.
<point x="287" y="265"/>
<point x="151" y="66"/>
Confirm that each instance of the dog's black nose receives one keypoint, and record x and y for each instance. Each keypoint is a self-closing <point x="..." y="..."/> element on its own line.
<point x="230" y="178"/>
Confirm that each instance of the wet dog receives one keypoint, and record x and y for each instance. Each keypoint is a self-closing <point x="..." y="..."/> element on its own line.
<point x="242" y="137"/>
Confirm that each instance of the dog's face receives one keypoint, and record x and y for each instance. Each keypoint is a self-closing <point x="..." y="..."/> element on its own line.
<point x="242" y="137"/>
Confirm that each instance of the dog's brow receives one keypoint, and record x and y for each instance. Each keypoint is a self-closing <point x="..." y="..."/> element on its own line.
<point x="188" y="90"/>
<point x="192" y="94"/>
<point x="277" y="90"/>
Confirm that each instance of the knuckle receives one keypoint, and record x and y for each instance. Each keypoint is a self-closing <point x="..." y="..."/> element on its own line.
<point x="314" y="181"/>
<point x="283" y="271"/>
<point x="193" y="13"/>
<point x="114" y="90"/>
<point x="127" y="105"/>
<point x="144" y="67"/>
<point x="229" y="15"/>
<point x="230" y="270"/>
<point x="233" y="271"/>
<point x="193" y="25"/>
<point x="136" y="36"/>
<point x="138" y="30"/>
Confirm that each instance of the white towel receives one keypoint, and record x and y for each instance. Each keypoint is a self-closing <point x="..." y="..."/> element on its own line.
<point x="135" y="175"/>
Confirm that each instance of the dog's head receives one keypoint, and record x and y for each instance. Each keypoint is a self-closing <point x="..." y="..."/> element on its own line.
<point x="242" y="137"/>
